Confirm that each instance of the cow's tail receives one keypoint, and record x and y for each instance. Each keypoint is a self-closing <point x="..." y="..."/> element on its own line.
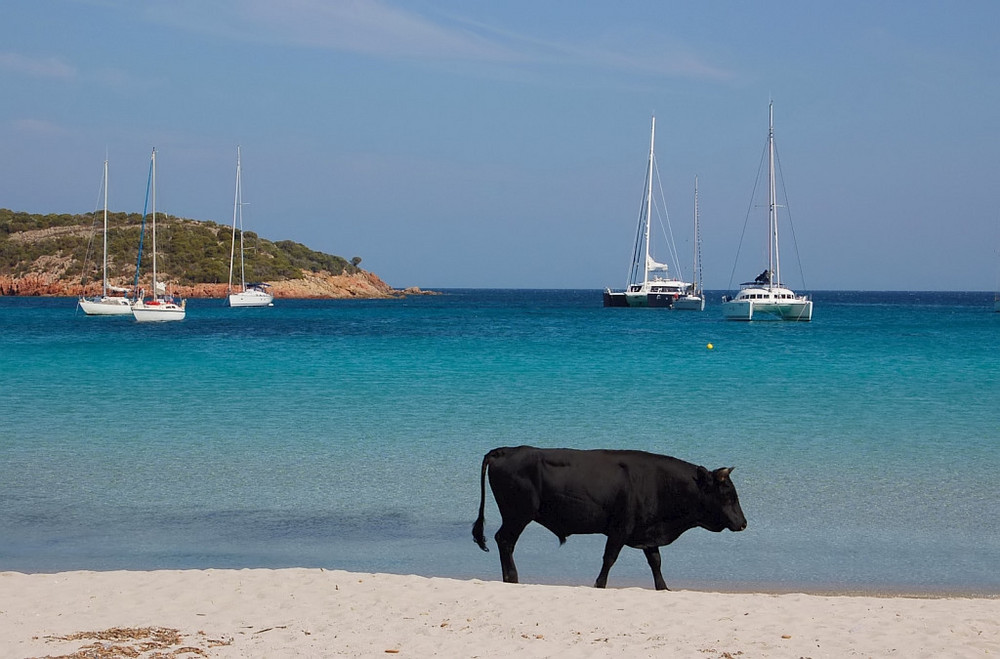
<point x="477" y="528"/>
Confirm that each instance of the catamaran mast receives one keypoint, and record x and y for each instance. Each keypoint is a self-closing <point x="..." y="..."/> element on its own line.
<point x="649" y="200"/>
<point x="697" y="243"/>
<point x="773" y="260"/>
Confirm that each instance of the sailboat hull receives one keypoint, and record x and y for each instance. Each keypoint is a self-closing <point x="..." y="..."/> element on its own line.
<point x="690" y="303"/>
<point x="106" y="306"/>
<point x="146" y="312"/>
<point x="250" y="298"/>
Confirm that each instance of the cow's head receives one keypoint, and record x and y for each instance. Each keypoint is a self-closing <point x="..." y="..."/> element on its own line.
<point x="722" y="504"/>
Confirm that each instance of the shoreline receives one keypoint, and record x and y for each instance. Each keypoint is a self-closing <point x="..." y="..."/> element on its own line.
<point x="318" y="612"/>
<point x="675" y="585"/>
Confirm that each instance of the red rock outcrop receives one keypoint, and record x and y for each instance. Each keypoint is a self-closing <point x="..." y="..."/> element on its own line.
<point x="361" y="285"/>
<point x="35" y="283"/>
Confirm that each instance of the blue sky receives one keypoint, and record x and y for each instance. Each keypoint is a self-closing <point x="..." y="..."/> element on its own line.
<point x="468" y="144"/>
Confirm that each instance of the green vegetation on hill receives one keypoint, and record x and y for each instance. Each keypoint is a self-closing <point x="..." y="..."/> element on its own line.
<point x="189" y="251"/>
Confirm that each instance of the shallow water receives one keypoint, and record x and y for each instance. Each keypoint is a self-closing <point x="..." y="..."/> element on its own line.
<point x="349" y="434"/>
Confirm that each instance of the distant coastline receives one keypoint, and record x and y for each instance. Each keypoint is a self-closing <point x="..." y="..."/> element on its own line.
<point x="57" y="255"/>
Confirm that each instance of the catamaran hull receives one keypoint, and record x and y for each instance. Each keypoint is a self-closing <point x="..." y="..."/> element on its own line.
<point x="250" y="299"/>
<point x="659" y="300"/>
<point x="754" y="310"/>
<point x="614" y="299"/>
<point x="108" y="306"/>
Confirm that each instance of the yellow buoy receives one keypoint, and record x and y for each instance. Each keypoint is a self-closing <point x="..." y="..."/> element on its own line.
<point x="709" y="346"/>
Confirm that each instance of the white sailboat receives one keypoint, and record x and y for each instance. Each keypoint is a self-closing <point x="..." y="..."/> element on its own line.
<point x="160" y="307"/>
<point x="248" y="295"/>
<point x="649" y="283"/>
<point x="766" y="296"/>
<point x="116" y="304"/>
<point x="694" y="299"/>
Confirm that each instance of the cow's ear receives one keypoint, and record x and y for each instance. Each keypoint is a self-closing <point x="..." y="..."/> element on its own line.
<point x="722" y="475"/>
<point x="704" y="478"/>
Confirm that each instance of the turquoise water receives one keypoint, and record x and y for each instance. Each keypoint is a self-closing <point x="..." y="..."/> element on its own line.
<point x="349" y="434"/>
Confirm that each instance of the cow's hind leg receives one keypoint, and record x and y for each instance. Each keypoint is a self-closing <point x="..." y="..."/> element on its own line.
<point x="611" y="550"/>
<point x="653" y="558"/>
<point x="506" y="537"/>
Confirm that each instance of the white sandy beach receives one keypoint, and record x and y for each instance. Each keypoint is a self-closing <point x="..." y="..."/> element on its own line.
<point x="319" y="613"/>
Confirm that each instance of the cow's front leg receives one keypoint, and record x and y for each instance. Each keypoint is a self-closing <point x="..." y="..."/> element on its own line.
<point x="653" y="558"/>
<point x="611" y="550"/>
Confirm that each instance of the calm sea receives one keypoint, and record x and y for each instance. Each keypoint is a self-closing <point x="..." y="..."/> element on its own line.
<point x="349" y="434"/>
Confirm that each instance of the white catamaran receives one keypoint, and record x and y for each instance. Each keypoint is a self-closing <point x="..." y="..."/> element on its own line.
<point x="766" y="296"/>
<point x="694" y="299"/>
<point x="104" y="304"/>
<point x="248" y="295"/>
<point x="649" y="284"/>
<point x="160" y="307"/>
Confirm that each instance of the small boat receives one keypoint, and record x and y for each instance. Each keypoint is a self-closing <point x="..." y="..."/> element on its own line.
<point x="248" y="295"/>
<point x="694" y="299"/>
<point x="766" y="296"/>
<point x="161" y="306"/>
<point x="649" y="283"/>
<point x="105" y="304"/>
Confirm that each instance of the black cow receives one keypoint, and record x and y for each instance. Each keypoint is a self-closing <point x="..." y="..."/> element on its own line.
<point x="638" y="499"/>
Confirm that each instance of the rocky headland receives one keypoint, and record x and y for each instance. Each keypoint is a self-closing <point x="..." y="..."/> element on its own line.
<point x="362" y="285"/>
<point x="57" y="255"/>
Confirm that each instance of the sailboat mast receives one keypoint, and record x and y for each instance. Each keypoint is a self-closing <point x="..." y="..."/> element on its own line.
<point x="239" y="186"/>
<point x="649" y="199"/>
<point x="773" y="260"/>
<point x="154" y="221"/>
<point x="236" y="205"/>
<point x="104" y="275"/>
